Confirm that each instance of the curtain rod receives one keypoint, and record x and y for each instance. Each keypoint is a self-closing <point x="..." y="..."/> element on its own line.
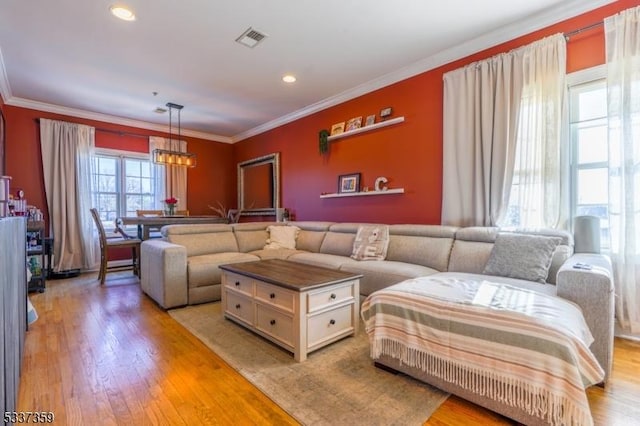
<point x="579" y="30"/>
<point x="116" y="132"/>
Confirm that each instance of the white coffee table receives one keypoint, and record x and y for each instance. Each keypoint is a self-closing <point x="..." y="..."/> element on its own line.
<point x="299" y="307"/>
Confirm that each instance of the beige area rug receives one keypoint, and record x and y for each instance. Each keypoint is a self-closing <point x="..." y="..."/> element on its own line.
<point x="337" y="384"/>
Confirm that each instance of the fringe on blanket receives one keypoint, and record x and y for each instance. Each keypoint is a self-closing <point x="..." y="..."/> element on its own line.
<point x="534" y="400"/>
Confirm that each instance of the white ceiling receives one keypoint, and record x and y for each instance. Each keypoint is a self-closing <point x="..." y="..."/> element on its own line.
<point x="75" y="58"/>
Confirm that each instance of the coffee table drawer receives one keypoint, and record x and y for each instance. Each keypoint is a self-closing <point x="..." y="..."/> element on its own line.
<point x="275" y="324"/>
<point x="276" y="296"/>
<point x="328" y="325"/>
<point x="239" y="283"/>
<point x="239" y="307"/>
<point x="325" y="298"/>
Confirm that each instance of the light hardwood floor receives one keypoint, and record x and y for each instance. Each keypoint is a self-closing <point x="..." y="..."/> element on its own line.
<point x="109" y="356"/>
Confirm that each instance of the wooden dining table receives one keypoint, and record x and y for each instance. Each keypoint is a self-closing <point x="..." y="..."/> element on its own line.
<point x="147" y="223"/>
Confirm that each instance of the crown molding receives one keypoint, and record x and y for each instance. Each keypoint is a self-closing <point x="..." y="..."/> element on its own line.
<point x="486" y="41"/>
<point x="78" y="113"/>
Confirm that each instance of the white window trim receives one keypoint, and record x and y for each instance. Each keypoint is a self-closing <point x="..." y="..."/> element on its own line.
<point x="577" y="78"/>
<point x="122" y="153"/>
<point x="587" y="75"/>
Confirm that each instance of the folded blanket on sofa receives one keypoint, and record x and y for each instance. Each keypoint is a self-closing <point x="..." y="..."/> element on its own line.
<point x="520" y="347"/>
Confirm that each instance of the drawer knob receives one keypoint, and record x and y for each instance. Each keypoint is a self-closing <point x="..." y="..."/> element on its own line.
<point x="272" y="322"/>
<point x="332" y="322"/>
<point x="272" y="296"/>
<point x="237" y="283"/>
<point x="238" y="306"/>
<point x="333" y="296"/>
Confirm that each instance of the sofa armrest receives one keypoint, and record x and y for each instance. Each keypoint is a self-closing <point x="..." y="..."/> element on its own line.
<point x="592" y="289"/>
<point x="164" y="272"/>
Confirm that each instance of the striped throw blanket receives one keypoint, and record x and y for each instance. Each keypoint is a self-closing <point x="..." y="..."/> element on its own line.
<point x="522" y="348"/>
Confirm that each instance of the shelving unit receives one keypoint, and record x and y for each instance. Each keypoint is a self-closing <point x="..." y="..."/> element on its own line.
<point x="37" y="248"/>
<point x="367" y="128"/>
<point x="13" y="308"/>
<point x="363" y="193"/>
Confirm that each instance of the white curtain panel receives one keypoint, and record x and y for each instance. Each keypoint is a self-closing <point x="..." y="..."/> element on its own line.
<point x="540" y="153"/>
<point x="622" y="35"/>
<point x="170" y="180"/>
<point x="481" y="104"/>
<point x="67" y="150"/>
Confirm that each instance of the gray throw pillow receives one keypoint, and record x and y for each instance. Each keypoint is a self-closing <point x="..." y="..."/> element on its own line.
<point x="526" y="257"/>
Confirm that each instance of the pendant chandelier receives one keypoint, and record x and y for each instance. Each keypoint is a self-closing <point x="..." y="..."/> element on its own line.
<point x="170" y="157"/>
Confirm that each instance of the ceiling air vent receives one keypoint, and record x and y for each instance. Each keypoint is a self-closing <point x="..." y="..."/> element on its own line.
<point x="251" y="37"/>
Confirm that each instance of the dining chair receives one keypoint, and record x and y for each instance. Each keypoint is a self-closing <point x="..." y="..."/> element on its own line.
<point x="149" y="213"/>
<point x="108" y="243"/>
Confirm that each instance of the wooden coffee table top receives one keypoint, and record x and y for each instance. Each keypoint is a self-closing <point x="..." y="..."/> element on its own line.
<point x="292" y="275"/>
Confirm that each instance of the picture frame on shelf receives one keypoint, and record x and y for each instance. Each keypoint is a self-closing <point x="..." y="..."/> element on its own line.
<point x="349" y="183"/>
<point x="337" y="128"/>
<point x="353" y="123"/>
<point x="371" y="119"/>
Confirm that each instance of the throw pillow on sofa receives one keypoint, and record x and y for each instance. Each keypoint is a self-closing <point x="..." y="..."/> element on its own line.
<point x="526" y="257"/>
<point x="282" y="237"/>
<point x="371" y="242"/>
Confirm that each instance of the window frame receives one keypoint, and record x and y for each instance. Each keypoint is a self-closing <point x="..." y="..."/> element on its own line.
<point x="121" y="194"/>
<point x="578" y="78"/>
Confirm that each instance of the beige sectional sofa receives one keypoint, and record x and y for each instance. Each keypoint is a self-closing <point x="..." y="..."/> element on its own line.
<point x="182" y="268"/>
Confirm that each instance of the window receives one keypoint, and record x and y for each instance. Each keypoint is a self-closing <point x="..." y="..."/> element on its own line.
<point x="589" y="154"/>
<point x="588" y="129"/>
<point x="123" y="183"/>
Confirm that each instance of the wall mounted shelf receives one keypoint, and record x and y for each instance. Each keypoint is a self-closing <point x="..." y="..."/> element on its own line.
<point x="367" y="128"/>
<point x="363" y="193"/>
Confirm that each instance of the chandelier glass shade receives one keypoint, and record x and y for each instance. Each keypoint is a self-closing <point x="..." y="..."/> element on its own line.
<point x="170" y="157"/>
<point x="174" y="158"/>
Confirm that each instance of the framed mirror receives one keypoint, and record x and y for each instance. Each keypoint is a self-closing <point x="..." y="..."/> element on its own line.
<point x="2" y="142"/>
<point x="259" y="185"/>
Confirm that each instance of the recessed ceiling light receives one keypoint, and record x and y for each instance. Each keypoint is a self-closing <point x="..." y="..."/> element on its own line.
<point x="122" y="13"/>
<point x="289" y="78"/>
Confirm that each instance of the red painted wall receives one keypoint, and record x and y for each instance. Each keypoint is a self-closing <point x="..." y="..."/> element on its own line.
<point x="213" y="179"/>
<point x="408" y="154"/>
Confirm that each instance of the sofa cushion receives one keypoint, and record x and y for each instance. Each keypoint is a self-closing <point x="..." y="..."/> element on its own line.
<point x="425" y="251"/>
<point x="331" y="261"/>
<point x="371" y="242"/>
<point x="338" y="243"/>
<point x="378" y="275"/>
<point x="202" y="239"/>
<point x="282" y="253"/>
<point x="485" y="234"/>
<point x="560" y="255"/>
<point x="251" y="235"/>
<point x="435" y="231"/>
<point x="310" y="240"/>
<point x="203" y="270"/>
<point x="521" y="256"/>
<point x="469" y="256"/>
<point x="313" y="225"/>
<point x="251" y="240"/>
<point x="282" y="237"/>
